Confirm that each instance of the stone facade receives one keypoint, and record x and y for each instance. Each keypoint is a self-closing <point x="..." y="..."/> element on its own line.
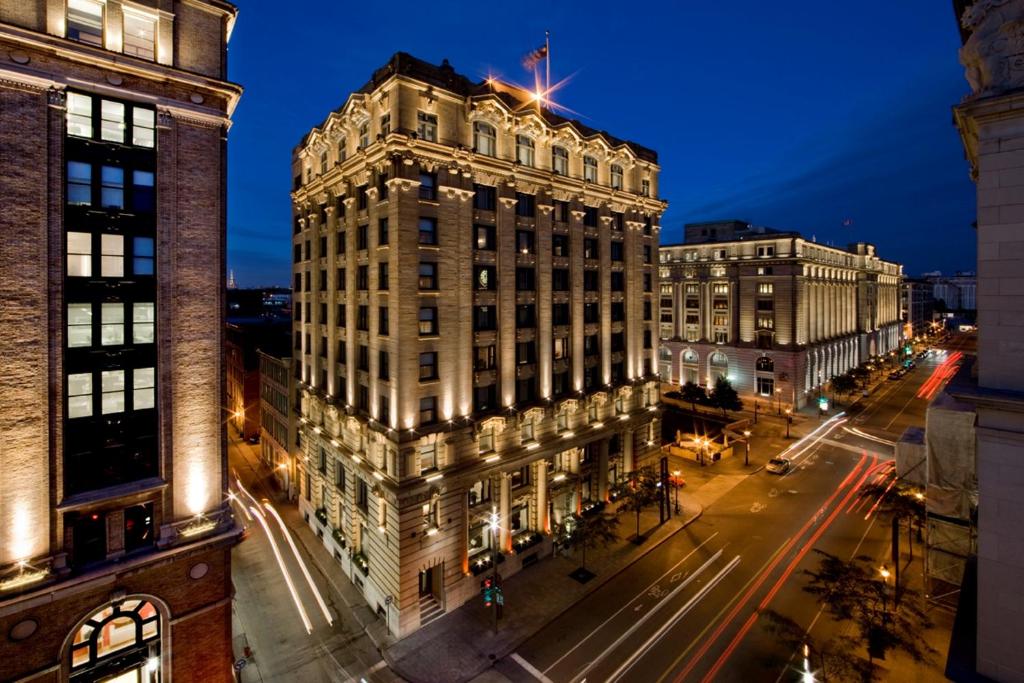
<point x="777" y="314"/>
<point x="991" y="126"/>
<point x="111" y="272"/>
<point x="475" y="277"/>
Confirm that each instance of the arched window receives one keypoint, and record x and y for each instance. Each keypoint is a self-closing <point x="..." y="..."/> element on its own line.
<point x="590" y="169"/>
<point x="524" y="150"/>
<point x="719" y="365"/>
<point x="765" y="364"/>
<point x="560" y="160"/>
<point x="691" y="375"/>
<point x="122" y="640"/>
<point x="485" y="139"/>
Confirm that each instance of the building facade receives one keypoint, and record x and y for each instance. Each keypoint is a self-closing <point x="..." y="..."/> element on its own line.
<point x="918" y="307"/>
<point x="115" y="536"/>
<point x="278" y="417"/>
<point x="475" y="275"/>
<point x="777" y="314"/>
<point x="955" y="292"/>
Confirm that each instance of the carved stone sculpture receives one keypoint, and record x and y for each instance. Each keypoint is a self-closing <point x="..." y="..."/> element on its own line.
<point x="993" y="56"/>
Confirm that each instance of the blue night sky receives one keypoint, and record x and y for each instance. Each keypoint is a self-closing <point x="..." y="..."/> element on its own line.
<point x="792" y="115"/>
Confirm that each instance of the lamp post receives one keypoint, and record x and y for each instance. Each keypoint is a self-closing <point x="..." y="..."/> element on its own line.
<point x="493" y="524"/>
<point x="778" y="398"/>
<point x="746" y="456"/>
<point x="755" y="410"/>
<point x="675" y="475"/>
<point x="789" y="420"/>
<point x="884" y="571"/>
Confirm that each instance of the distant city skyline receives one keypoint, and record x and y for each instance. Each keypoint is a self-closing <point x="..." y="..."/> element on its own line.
<point x="782" y="120"/>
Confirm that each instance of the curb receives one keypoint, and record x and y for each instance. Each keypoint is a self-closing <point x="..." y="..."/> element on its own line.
<point x="592" y="587"/>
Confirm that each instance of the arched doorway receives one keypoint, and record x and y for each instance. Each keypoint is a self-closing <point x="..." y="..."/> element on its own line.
<point x="119" y="643"/>
<point x="718" y="366"/>
<point x="690" y="363"/>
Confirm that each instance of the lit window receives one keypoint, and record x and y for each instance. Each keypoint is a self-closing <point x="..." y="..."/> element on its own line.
<point x="143" y="391"/>
<point x="524" y="150"/>
<point x="428" y="457"/>
<point x="645" y="187"/>
<point x="428" y="276"/>
<point x="80" y="395"/>
<point x="143" y="323"/>
<point x="487" y="440"/>
<point x="590" y="169"/>
<point x="142" y="261"/>
<point x="142" y="190"/>
<point x="426" y="126"/>
<point x="112" y="386"/>
<point x="143" y="127"/>
<point x="616" y="177"/>
<point x="560" y="160"/>
<point x="85" y="21"/>
<point x="79" y="325"/>
<point x="342" y="149"/>
<point x="79" y="115"/>
<point x="111" y="121"/>
<point x="112" y="187"/>
<point x="765" y="288"/>
<point x="485" y="140"/>
<point x="79" y="183"/>
<point x="79" y="254"/>
<point x="139" y="35"/>
<point x="112" y="325"/>
<point x="526" y="431"/>
<point x="428" y="321"/>
<point x="111" y="256"/>
<point x="385" y="124"/>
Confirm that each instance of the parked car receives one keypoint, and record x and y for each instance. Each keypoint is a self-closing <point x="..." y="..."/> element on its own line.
<point x="895" y="374"/>
<point x="778" y="465"/>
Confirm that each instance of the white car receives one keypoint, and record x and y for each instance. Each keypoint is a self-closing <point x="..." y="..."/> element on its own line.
<point x="778" y="465"/>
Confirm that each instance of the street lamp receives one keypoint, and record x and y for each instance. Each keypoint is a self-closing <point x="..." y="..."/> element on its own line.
<point x="746" y="456"/>
<point x="676" y="474"/>
<point x="789" y="420"/>
<point x="493" y="524"/>
<point x="778" y="398"/>
<point x="884" y="571"/>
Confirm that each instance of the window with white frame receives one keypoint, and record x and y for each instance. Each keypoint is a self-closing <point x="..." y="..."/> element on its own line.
<point x="85" y="21"/>
<point x="112" y="390"/>
<point x="79" y="261"/>
<point x="764" y="250"/>
<point x="112" y="324"/>
<point x="111" y="256"/>
<point x="112" y="187"/>
<point x="342" y="150"/>
<point x="143" y="127"/>
<point x="139" y="35"/>
<point x="590" y="169"/>
<point x="143" y="321"/>
<point x="79" y="116"/>
<point x="143" y="388"/>
<point x="426" y="126"/>
<point x="765" y="288"/>
<point x="79" y="395"/>
<point x="560" y="160"/>
<point x="524" y="150"/>
<point x="616" y="177"/>
<point x="79" y="325"/>
<point x="385" y="124"/>
<point x="112" y="121"/>
<point x="645" y="187"/>
<point x="364" y="135"/>
<point x="79" y="190"/>
<point x="485" y="139"/>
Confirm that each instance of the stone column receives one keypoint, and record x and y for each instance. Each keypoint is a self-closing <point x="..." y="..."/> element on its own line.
<point x="543" y="522"/>
<point x="602" y="471"/>
<point x="626" y="439"/>
<point x="504" y="511"/>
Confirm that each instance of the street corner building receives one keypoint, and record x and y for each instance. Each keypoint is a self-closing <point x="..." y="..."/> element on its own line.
<point x="115" y="537"/>
<point x="474" y="277"/>
<point x="775" y="313"/>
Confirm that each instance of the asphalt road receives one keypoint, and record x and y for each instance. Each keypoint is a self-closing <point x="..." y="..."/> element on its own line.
<point x="266" y="617"/>
<point x="687" y="611"/>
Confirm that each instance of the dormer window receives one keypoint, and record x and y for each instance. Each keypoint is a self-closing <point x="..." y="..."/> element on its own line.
<point x="645" y="187"/>
<point x="590" y="169"/>
<point x="560" y="160"/>
<point x="616" y="173"/>
<point x="485" y="139"/>
<point x="85" y="21"/>
<point x="765" y="250"/>
<point x="524" y="150"/>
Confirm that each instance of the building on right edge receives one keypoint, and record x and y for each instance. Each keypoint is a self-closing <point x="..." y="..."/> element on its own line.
<point x="991" y="124"/>
<point x="777" y="314"/>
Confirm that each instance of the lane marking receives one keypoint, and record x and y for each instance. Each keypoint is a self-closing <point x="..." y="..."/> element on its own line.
<point x="287" y="577"/>
<point x="530" y="668"/>
<point x="680" y="613"/>
<point x="639" y="595"/>
<point x="632" y="629"/>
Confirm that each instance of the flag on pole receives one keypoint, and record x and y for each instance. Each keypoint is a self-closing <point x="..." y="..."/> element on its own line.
<point x="531" y="60"/>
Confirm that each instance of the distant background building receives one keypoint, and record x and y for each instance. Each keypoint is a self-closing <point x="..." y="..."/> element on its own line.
<point x="777" y="314"/>
<point x="918" y="306"/>
<point x="244" y="340"/>
<point x="953" y="293"/>
<point x="279" y="413"/>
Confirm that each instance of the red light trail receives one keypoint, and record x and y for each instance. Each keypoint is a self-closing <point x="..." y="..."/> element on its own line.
<point x="940" y="374"/>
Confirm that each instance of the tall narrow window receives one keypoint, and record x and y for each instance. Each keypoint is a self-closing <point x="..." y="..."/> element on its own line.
<point x="428" y="321"/>
<point x="79" y="183"/>
<point x="112" y="324"/>
<point x="142" y="258"/>
<point x="112" y="187"/>
<point x="143" y="127"/>
<point x="85" y="21"/>
<point x="485" y="140"/>
<point x="139" y="35"/>
<point x="560" y="160"/>
<point x="426" y="126"/>
<point x="112" y="387"/>
<point x="143" y="388"/>
<point x="364" y="135"/>
<point x="385" y="124"/>
<point x="142" y="323"/>
<point x="80" y="395"/>
<point x="79" y="115"/>
<point x="112" y="121"/>
<point x="616" y="177"/>
<point x="79" y="254"/>
<point x="79" y="325"/>
<point x="590" y="169"/>
<point x="142" y="190"/>
<point x="111" y="256"/>
<point x="428" y="230"/>
<point x="524" y="150"/>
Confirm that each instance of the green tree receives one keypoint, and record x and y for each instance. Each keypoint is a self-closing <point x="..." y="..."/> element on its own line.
<point x="860" y="374"/>
<point x="832" y="660"/>
<point x="902" y="501"/>
<point x="724" y="396"/>
<point x="639" y="490"/>
<point x="844" y="384"/>
<point x="588" y="532"/>
<point x="694" y="394"/>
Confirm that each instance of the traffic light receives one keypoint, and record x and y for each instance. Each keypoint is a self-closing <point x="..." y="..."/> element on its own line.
<point x="487" y="590"/>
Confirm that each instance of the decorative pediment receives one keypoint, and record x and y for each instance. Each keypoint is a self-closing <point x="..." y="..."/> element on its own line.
<point x="497" y="423"/>
<point x="570" y="405"/>
<point x="490" y="111"/>
<point x="535" y="413"/>
<point x="625" y="391"/>
<point x="599" y="398"/>
<point x="532" y="126"/>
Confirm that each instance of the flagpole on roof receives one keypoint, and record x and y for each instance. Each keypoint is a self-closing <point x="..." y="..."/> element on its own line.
<point x="547" y="61"/>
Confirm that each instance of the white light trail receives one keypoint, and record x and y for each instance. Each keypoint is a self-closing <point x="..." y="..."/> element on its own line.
<point x="864" y="435"/>
<point x="284" y="570"/>
<point x="302" y="565"/>
<point x="825" y="428"/>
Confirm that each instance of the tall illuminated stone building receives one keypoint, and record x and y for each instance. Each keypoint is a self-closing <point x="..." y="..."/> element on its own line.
<point x="474" y="283"/>
<point x="114" y="536"/>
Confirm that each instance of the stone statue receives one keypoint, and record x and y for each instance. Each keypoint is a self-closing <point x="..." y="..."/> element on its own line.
<point x="993" y="55"/>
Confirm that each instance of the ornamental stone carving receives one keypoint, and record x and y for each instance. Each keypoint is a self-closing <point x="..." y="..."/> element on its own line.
<point x="993" y="56"/>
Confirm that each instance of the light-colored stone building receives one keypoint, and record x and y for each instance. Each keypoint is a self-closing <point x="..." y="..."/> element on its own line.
<point x="115" y="534"/>
<point x="475" y="275"/>
<point x="991" y="124"/>
<point x="777" y="314"/>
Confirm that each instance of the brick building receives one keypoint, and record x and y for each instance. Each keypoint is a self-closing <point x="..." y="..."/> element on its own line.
<point x="475" y="276"/>
<point x="279" y="414"/>
<point x="777" y="314"/>
<point x="115" y="537"/>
